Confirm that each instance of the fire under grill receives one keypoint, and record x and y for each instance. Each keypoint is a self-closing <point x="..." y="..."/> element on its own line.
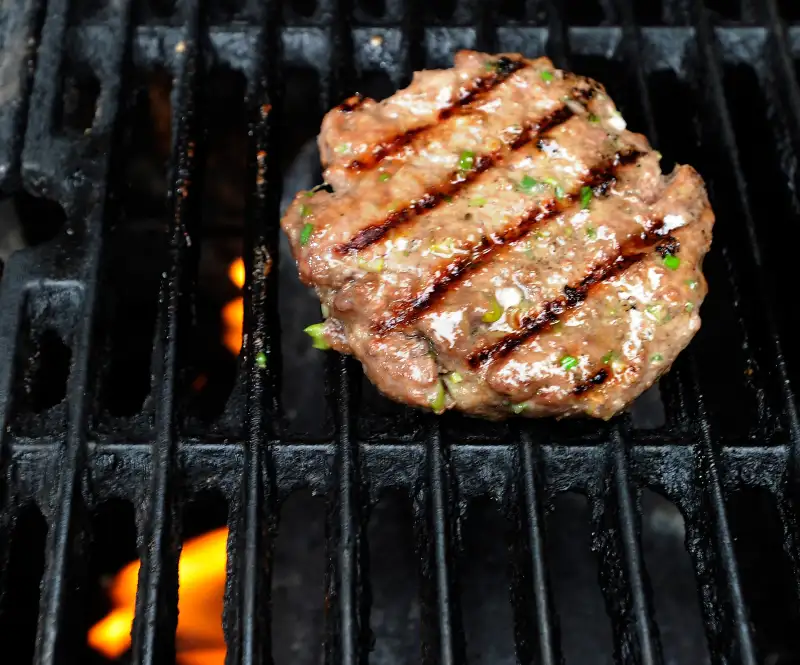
<point x="145" y="147"/>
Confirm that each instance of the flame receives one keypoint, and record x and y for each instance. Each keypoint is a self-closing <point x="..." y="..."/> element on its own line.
<point x="233" y="319"/>
<point x="201" y="577"/>
<point x="236" y="272"/>
<point x="233" y="312"/>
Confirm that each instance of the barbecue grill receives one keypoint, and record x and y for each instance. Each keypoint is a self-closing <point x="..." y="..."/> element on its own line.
<point x="121" y="414"/>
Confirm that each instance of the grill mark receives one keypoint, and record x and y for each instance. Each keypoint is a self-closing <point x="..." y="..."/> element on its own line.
<point x="481" y="86"/>
<point x="445" y="278"/>
<point x="457" y="180"/>
<point x="597" y="379"/>
<point x="574" y="295"/>
<point x="351" y="103"/>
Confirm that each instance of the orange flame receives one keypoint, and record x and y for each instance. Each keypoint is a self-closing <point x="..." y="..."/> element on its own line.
<point x="201" y="577"/>
<point x="236" y="273"/>
<point x="233" y="312"/>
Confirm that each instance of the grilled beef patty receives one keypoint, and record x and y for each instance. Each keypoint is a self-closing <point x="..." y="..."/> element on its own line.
<point x="495" y="240"/>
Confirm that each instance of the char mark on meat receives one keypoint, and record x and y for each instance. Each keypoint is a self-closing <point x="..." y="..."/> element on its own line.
<point x="629" y="254"/>
<point x="503" y="69"/>
<point x="597" y="379"/>
<point x="456" y="181"/>
<point x="406" y="312"/>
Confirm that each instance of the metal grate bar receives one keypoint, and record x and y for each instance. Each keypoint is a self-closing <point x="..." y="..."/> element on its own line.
<point x="153" y="635"/>
<point x="644" y="626"/>
<point x="542" y="610"/>
<point x="344" y="640"/>
<point x="707" y="468"/>
<point x="719" y="111"/>
<point x="253" y="571"/>
<point x="448" y="645"/>
<point x="65" y="538"/>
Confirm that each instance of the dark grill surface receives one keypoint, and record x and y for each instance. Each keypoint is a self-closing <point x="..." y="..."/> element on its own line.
<point x="115" y="391"/>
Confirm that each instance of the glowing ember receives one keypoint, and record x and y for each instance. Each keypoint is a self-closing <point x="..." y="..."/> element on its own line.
<point x="201" y="576"/>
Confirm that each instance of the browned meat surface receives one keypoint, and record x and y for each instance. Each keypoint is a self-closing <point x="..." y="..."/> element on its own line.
<point x="497" y="241"/>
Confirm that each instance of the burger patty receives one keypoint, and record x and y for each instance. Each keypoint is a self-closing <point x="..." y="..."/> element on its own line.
<point x="493" y="239"/>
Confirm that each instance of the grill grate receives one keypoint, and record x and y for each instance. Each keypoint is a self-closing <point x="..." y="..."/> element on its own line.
<point x="715" y="87"/>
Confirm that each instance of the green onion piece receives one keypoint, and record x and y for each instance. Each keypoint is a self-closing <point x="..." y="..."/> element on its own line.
<point x="595" y="120"/>
<point x="494" y="313"/>
<point x="559" y="190"/>
<point x="454" y="377"/>
<point x="309" y="193"/>
<point x="466" y="160"/>
<point x="608" y="357"/>
<point x="438" y="401"/>
<point x="547" y="76"/>
<point x="656" y="358"/>
<point x="528" y="184"/>
<point x="305" y="210"/>
<point x="671" y="261"/>
<point x="305" y="234"/>
<point x="324" y="310"/>
<point x="316" y="332"/>
<point x="375" y="265"/>
<point x="383" y="177"/>
<point x="261" y="360"/>
<point x="692" y="284"/>
<point x="568" y="363"/>
<point x="586" y="197"/>
<point x="342" y="148"/>
<point x="447" y="198"/>
<point x="689" y="306"/>
<point x="477" y="202"/>
<point x="591" y="233"/>
<point x="519" y="408"/>
<point x="490" y="65"/>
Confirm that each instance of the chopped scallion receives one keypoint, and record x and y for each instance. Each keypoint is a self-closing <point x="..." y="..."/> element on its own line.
<point x="455" y="377"/>
<point x="692" y="284"/>
<point x="568" y="363"/>
<point x="689" y="306"/>
<point x="656" y="358"/>
<point x="310" y="193"/>
<point x="375" y="265"/>
<point x="261" y="360"/>
<point x="586" y="197"/>
<point x="384" y="177"/>
<point x="559" y="190"/>
<point x="547" y="76"/>
<point x="305" y="234"/>
<point x="591" y="232"/>
<point x="594" y="119"/>
<point x="316" y="331"/>
<point x="519" y="408"/>
<point x="477" y="202"/>
<point x="437" y="402"/>
<point x="494" y="313"/>
<point x="342" y="148"/>
<point x="608" y="357"/>
<point x="466" y="161"/>
<point x="671" y="262"/>
<point x="528" y="184"/>
<point x="305" y="210"/>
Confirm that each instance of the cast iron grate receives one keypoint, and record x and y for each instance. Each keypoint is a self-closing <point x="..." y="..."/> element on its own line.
<point x="715" y="86"/>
